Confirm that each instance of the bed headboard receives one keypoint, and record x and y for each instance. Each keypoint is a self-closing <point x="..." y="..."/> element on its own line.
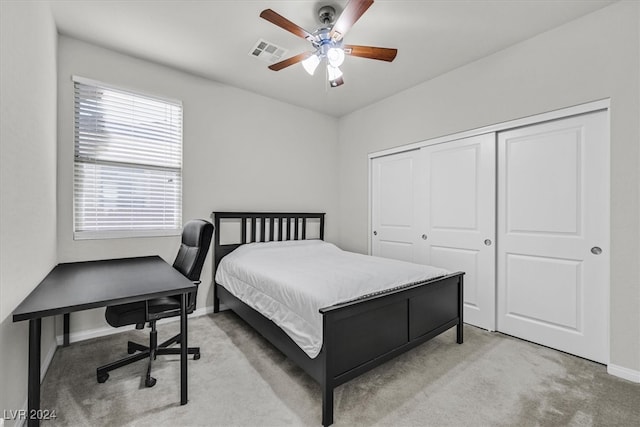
<point x="262" y="227"/>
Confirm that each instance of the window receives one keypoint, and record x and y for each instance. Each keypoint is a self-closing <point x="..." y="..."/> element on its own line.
<point x="128" y="163"/>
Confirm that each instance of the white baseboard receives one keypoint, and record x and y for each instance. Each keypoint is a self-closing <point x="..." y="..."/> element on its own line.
<point x="202" y="311"/>
<point x="93" y="333"/>
<point x="108" y="330"/>
<point x="46" y="362"/>
<point x="622" y="372"/>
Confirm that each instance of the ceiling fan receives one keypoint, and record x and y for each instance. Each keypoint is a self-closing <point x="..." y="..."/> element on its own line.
<point x="327" y="40"/>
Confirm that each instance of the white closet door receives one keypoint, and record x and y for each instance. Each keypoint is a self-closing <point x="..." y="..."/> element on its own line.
<point x="459" y="219"/>
<point x="393" y="216"/>
<point x="553" y="239"/>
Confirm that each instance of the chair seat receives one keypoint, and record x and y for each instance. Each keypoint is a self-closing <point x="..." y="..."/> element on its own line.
<point x="134" y="313"/>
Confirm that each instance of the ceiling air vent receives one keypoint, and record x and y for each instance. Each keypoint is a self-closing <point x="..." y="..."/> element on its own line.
<point x="268" y="52"/>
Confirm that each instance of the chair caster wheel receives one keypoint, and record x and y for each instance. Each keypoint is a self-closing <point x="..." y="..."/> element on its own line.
<point x="150" y="382"/>
<point x="196" y="356"/>
<point x="102" y="378"/>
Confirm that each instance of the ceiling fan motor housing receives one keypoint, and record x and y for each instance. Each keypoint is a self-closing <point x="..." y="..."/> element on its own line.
<point x="323" y="41"/>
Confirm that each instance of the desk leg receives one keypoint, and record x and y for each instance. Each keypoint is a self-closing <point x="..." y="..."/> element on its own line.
<point x="183" y="350"/>
<point x="65" y="330"/>
<point x="33" y="400"/>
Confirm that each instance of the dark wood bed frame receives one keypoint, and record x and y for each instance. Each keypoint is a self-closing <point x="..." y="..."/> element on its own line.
<point x="357" y="335"/>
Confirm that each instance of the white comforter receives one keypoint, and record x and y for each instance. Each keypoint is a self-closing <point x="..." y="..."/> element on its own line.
<point x="288" y="282"/>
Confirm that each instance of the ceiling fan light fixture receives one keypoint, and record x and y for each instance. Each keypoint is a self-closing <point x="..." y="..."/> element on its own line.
<point x="311" y="63"/>
<point x="334" y="72"/>
<point x="335" y="56"/>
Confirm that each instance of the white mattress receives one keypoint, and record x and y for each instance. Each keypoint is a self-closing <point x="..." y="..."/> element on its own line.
<point x="288" y="282"/>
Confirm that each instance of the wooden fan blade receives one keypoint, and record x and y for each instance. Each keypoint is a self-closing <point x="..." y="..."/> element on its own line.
<point x="285" y="24"/>
<point x="351" y="13"/>
<point x="290" y="61"/>
<point x="380" y="53"/>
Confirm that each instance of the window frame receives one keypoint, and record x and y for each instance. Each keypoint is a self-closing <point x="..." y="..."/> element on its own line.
<point x="133" y="232"/>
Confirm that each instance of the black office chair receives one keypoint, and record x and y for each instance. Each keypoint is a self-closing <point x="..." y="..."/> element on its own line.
<point x="196" y="238"/>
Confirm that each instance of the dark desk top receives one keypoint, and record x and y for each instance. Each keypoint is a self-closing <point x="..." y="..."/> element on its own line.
<point x="83" y="285"/>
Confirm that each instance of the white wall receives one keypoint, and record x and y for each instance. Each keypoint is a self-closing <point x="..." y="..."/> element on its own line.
<point x="241" y="152"/>
<point x="27" y="175"/>
<point x="594" y="57"/>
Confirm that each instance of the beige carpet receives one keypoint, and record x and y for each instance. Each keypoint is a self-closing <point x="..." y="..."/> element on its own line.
<point x="241" y="380"/>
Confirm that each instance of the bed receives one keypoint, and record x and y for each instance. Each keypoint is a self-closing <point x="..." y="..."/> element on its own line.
<point x="356" y="334"/>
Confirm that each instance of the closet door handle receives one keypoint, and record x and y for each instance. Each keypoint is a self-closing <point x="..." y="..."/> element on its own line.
<point x="375" y="233"/>
<point x="596" y="250"/>
<point x="424" y="237"/>
<point x="487" y="242"/>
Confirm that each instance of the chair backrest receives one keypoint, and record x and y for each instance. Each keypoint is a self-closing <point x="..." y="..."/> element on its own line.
<point x="196" y="239"/>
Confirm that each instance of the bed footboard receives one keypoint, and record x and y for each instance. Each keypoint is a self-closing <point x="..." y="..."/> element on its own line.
<point x="357" y="335"/>
<point x="360" y="335"/>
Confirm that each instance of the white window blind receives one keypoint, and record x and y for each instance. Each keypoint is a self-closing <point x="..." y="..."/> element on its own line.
<point x="128" y="163"/>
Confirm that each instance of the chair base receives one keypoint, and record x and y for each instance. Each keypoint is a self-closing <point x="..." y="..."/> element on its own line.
<point x="145" y="352"/>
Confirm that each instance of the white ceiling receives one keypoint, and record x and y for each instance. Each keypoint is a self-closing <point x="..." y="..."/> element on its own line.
<point x="213" y="39"/>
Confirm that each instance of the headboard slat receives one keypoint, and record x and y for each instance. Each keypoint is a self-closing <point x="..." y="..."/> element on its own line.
<point x="271" y="229"/>
<point x="243" y="232"/>
<point x="253" y="230"/>
<point x="263" y="227"/>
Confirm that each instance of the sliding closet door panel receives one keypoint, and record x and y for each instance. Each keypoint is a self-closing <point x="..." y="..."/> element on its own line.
<point x="393" y="207"/>
<point x="467" y="260"/>
<point x="459" y="219"/>
<point x="553" y="243"/>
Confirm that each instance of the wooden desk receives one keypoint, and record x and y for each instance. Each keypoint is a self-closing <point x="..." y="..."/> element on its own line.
<point x="80" y="286"/>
